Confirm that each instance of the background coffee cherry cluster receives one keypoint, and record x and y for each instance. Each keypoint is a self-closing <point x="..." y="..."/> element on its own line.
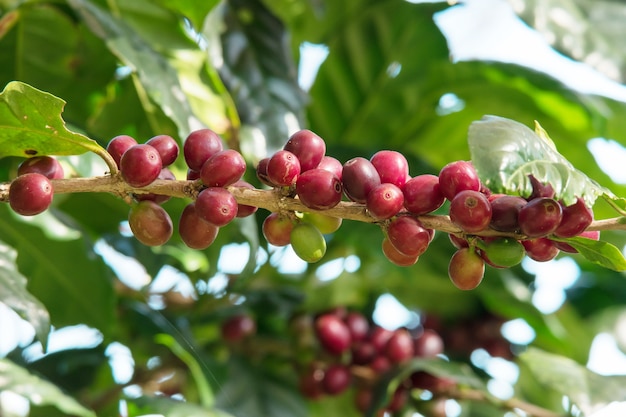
<point x="302" y="170"/>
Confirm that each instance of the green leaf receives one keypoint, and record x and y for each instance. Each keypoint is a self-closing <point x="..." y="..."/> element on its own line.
<point x="588" y="390"/>
<point x="506" y="152"/>
<point x="38" y="391"/>
<point x="31" y="124"/>
<point x="194" y="10"/>
<point x="14" y="294"/>
<point x="65" y="275"/>
<point x="597" y="251"/>
<point x="171" y="408"/>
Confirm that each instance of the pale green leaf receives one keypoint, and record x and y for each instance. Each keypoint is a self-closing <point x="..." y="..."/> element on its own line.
<point x="598" y="252"/>
<point x="14" y="294"/>
<point x="505" y="153"/>
<point x="37" y="390"/>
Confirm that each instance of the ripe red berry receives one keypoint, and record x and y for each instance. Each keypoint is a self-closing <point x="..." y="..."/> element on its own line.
<point x="195" y="232"/>
<point x="456" y="177"/>
<point x="238" y="327"/>
<point x="576" y="218"/>
<point x="471" y="211"/>
<point x="283" y="168"/>
<point x="392" y="167"/>
<point x="359" y="177"/>
<point x="277" y="229"/>
<point x="422" y="194"/>
<point x="337" y="379"/>
<point x="408" y="235"/>
<point x="140" y="165"/>
<point x="30" y="194"/>
<point x="244" y="210"/>
<point x="331" y="164"/>
<point x="223" y="168"/>
<point x="166" y="146"/>
<point x="308" y="147"/>
<point x="44" y="165"/>
<point x="358" y="326"/>
<point x="540" y="217"/>
<point x="118" y="145"/>
<point x="384" y="201"/>
<point x="505" y="211"/>
<point x="395" y="256"/>
<point x="399" y="346"/>
<point x="319" y="189"/>
<point x="216" y="205"/>
<point x="428" y="345"/>
<point x="540" y="249"/>
<point x="199" y="146"/>
<point x="333" y="333"/>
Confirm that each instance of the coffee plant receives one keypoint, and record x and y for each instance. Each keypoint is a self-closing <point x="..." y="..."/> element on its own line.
<point x="193" y="209"/>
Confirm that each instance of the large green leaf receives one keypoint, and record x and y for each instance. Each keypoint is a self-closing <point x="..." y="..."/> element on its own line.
<point x="65" y="275"/>
<point x="589" y="31"/>
<point x="14" y="294"/>
<point x="505" y="153"/>
<point x="155" y="74"/>
<point x="588" y="390"/>
<point x="37" y="390"/>
<point x="171" y="408"/>
<point x="31" y="124"/>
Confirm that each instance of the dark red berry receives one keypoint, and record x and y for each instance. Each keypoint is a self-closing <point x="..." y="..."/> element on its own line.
<point x="337" y="379"/>
<point x="199" y="146"/>
<point x="223" y="168"/>
<point x="422" y="194"/>
<point x="505" y="211"/>
<point x="540" y="217"/>
<point x="359" y="177"/>
<point x="195" y="232"/>
<point x="166" y="146"/>
<point x="216" y="205"/>
<point x="318" y="189"/>
<point x="238" y="327"/>
<point x="140" y="165"/>
<point x="118" y="145"/>
<point x="540" y="249"/>
<point x="540" y="189"/>
<point x="576" y="218"/>
<point x="30" y="194"/>
<point x="308" y="147"/>
<point x="44" y="165"/>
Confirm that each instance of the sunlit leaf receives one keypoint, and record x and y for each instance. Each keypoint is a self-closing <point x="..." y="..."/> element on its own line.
<point x="505" y="153"/>
<point x="31" y="124"/>
<point x="37" y="390"/>
<point x="598" y="252"/>
<point x="14" y="294"/>
<point x="588" y="390"/>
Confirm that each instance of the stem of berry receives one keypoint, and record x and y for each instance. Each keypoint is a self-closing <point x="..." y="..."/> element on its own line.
<point x="267" y="199"/>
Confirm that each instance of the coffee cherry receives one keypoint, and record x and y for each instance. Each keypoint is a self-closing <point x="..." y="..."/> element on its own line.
<point x="540" y="217"/>
<point x="399" y="346"/>
<point x="118" y="145"/>
<point x="277" y="229"/>
<point x="505" y="211"/>
<point x="331" y="164"/>
<point x="471" y="211"/>
<point x="242" y="209"/>
<point x="237" y="328"/>
<point x="456" y="177"/>
<point x="384" y="201"/>
<point x="308" y="147"/>
<point x="30" y="194"/>
<point x="359" y="177"/>
<point x="166" y="146"/>
<point x="363" y="353"/>
<point x="379" y="337"/>
<point x="576" y="218"/>
<point x="504" y="252"/>
<point x="283" y="168"/>
<point x="199" y="146"/>
<point x="428" y="345"/>
<point x="308" y="242"/>
<point x="216" y="205"/>
<point x="195" y="232"/>
<point x="261" y="172"/>
<point x="319" y="189"/>
<point x="192" y="175"/>
<point x="223" y="168"/>
<point x="310" y="382"/>
<point x="150" y="223"/>
<point x="325" y="224"/>
<point x="457" y="241"/>
<point x="540" y="189"/>
<point x="140" y="165"/>
<point x="408" y="236"/>
<point x="337" y="379"/>
<point x="392" y="167"/>
<point x="540" y="249"/>
<point x="466" y="269"/>
<point x="422" y="194"/>
<point x="333" y="333"/>
<point x="395" y="256"/>
<point x="358" y="326"/>
<point x="44" y="165"/>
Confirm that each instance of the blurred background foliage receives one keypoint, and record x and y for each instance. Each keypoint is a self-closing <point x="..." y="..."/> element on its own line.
<point x="388" y="80"/>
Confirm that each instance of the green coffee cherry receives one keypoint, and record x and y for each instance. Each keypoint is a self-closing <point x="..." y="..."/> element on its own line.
<point x="308" y="242"/>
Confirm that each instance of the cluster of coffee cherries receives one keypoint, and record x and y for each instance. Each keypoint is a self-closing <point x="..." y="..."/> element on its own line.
<point x="354" y="352"/>
<point x="539" y="218"/>
<point x="31" y="192"/>
<point x="141" y="164"/>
